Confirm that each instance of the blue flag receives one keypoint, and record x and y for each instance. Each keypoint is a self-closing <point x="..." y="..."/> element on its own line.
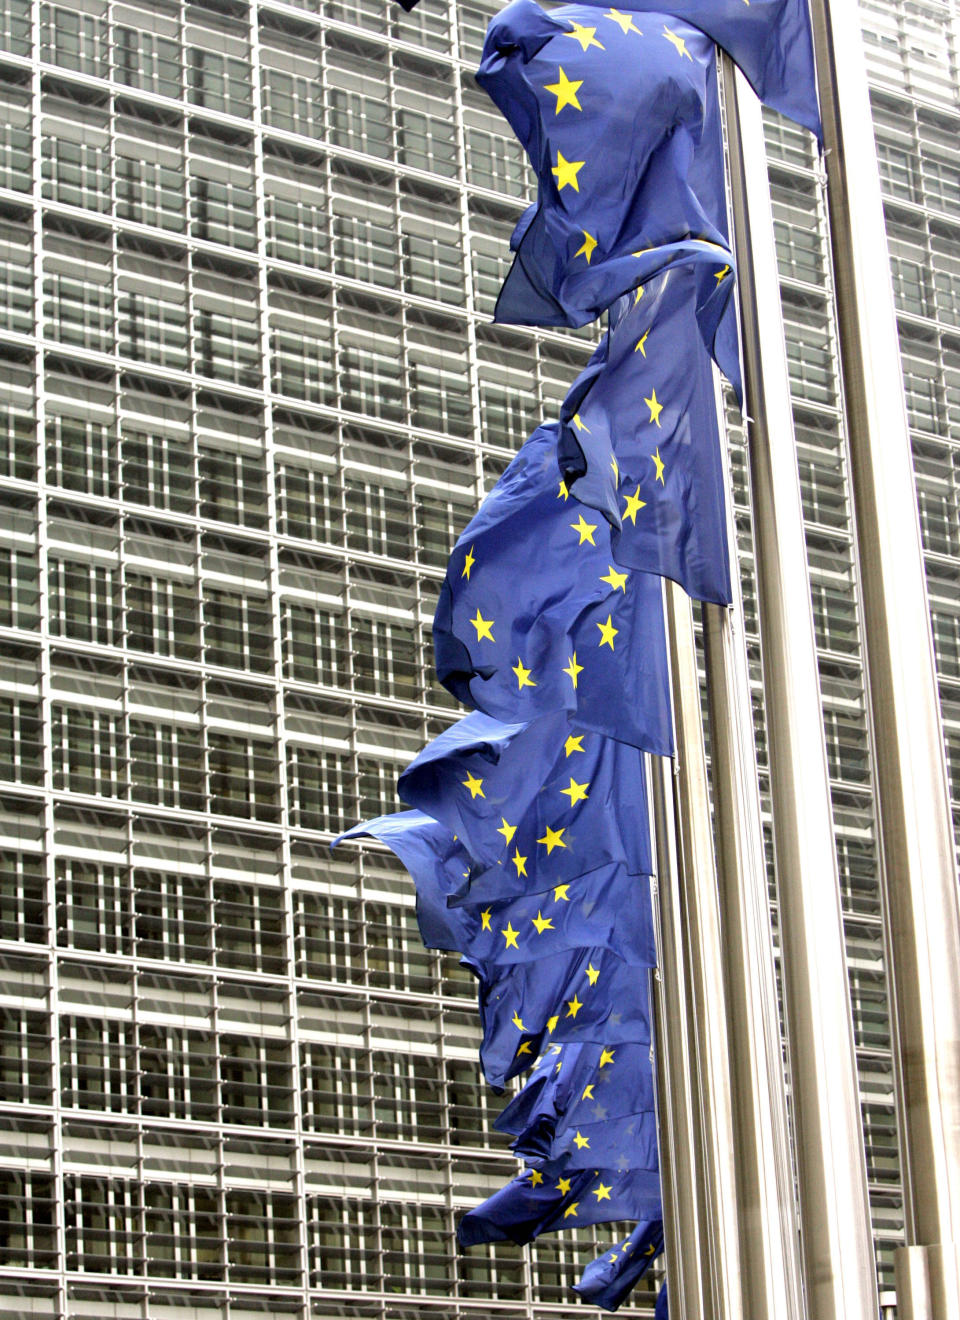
<point x="613" y="1142"/>
<point x="603" y="909"/>
<point x="578" y="1083"/>
<point x="622" y="127"/>
<point x="640" y="439"/>
<point x="609" y="1279"/>
<point x="534" y="804"/>
<point x="583" y="995"/>
<point x="770" y="40"/>
<point x="534" y="617"/>
<point x="662" y="1310"/>
<point x="551" y="1197"/>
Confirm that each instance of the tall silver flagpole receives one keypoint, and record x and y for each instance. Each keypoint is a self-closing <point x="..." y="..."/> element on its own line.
<point x="687" y="1252"/>
<point x="700" y="947"/>
<point x="838" y="1258"/>
<point x="922" y="920"/>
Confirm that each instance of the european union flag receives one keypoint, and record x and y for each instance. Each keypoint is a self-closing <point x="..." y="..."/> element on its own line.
<point x="771" y="41"/>
<point x="438" y="864"/>
<point x="550" y="1197"/>
<point x="534" y="804"/>
<point x="577" y="1083"/>
<point x="621" y="123"/>
<point x="583" y="995"/>
<point x="535" y="618"/>
<point x="603" y="909"/>
<point x="639" y="437"/>
<point x="609" y="1279"/>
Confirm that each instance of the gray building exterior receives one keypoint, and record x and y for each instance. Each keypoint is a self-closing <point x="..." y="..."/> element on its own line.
<point x="250" y="392"/>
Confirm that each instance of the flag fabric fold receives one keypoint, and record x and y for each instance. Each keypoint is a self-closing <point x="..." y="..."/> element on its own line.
<point x="622" y="128"/>
<point x="552" y="1196"/>
<point x="608" y="1280"/>
<point x="534" y="618"/>
<point x="771" y="41"/>
<point x="534" y="804"/>
<point x="639" y="435"/>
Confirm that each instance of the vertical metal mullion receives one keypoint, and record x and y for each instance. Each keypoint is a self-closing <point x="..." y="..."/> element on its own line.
<point x="276" y="613"/>
<point x="44" y="676"/>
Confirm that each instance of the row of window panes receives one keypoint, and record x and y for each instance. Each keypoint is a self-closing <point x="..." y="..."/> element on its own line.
<point x="376" y="362"/>
<point x="182" y="767"/>
<point x="164" y="616"/>
<point x="172" y="1072"/>
<point x="919" y="158"/>
<point x="195" y="1232"/>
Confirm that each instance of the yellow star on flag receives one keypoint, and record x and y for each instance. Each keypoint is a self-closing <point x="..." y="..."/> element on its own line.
<point x="560" y="894"/>
<point x="579" y="423"/>
<point x="587" y="1092"/>
<point x="510" y="935"/>
<point x="656" y="408"/>
<point x="518" y="1023"/>
<point x="468" y="563"/>
<point x="625" y="21"/>
<point x="474" y="785"/>
<point x="524" y="1048"/>
<point x="614" y="468"/>
<point x="607" y="633"/>
<point x="553" y="839"/>
<point x="485" y="919"/>
<point x="603" y="1193"/>
<point x="585" y="531"/>
<point x="678" y="42"/>
<point x="483" y="627"/>
<point x="634" y="505"/>
<point x="571" y="1210"/>
<point x="573" y="744"/>
<point x="566" y="172"/>
<point x="586" y="247"/>
<point x="576" y="792"/>
<point x="585" y="35"/>
<point x="616" y="580"/>
<point x="519" y="862"/>
<point x="536" y="1177"/>
<point x="508" y="831"/>
<point x="593" y="974"/>
<point x="660" y="466"/>
<point x="642" y="344"/>
<point x="523" y="676"/>
<point x="581" y="1142"/>
<point x="638" y="294"/>
<point x="606" y="1056"/>
<point x="573" y="669"/>
<point x="573" y="1007"/>
<point x="721" y="274"/>
<point x="541" y="922"/>
<point x="563" y="494"/>
<point x="565" y="90"/>
<point x="563" y="1186"/>
<point x="552" y="1024"/>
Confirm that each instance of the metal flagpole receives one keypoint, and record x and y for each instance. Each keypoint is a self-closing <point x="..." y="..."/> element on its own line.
<point x="837" y="1246"/>
<point x="686" y="1252"/>
<point x="921" y="917"/>
<point x="707" y="1047"/>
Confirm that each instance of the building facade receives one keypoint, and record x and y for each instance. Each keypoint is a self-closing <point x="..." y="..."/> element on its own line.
<point x="250" y="392"/>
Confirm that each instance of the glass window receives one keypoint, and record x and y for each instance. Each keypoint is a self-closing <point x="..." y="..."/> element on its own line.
<point x="28" y="1209"/>
<point x="88" y="751"/>
<point x="243" y="777"/>
<point x="22" y="897"/>
<point x="84" y="601"/>
<point x="16" y="279"/>
<point x="21" y="749"/>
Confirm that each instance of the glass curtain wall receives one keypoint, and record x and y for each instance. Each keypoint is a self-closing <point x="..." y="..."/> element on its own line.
<point x="250" y="393"/>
